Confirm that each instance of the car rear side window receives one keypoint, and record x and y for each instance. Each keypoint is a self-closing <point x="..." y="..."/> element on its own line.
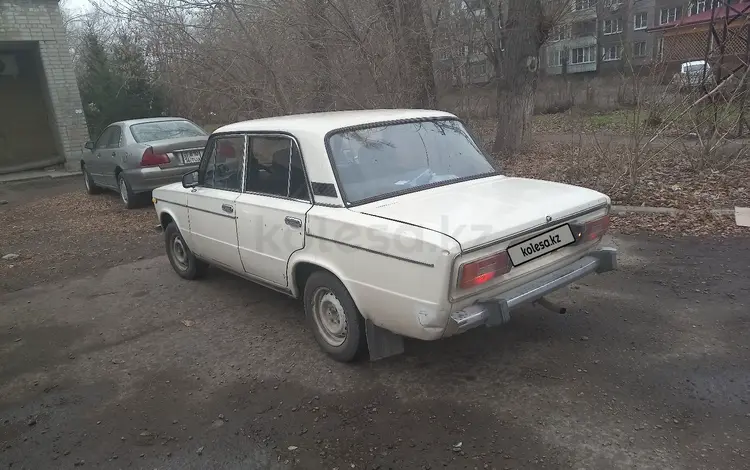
<point x="223" y="169"/>
<point x="274" y="167"/>
<point x="163" y="130"/>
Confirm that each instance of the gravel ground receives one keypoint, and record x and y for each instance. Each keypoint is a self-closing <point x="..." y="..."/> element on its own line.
<point x="125" y="365"/>
<point x="70" y="233"/>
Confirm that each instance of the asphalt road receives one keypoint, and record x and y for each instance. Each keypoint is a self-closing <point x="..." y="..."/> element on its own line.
<point x="132" y="367"/>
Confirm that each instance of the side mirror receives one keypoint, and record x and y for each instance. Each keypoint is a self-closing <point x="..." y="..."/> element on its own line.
<point x="89" y="145"/>
<point x="190" y="180"/>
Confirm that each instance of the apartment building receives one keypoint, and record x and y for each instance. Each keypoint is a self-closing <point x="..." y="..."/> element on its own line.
<point x="572" y="46"/>
<point x="624" y="41"/>
<point x="462" y="44"/>
<point x="605" y="36"/>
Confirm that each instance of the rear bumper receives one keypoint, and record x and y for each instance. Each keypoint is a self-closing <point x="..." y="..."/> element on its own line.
<point x="497" y="311"/>
<point x="150" y="178"/>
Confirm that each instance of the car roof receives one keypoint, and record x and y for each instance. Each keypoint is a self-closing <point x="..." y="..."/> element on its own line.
<point x="324" y="122"/>
<point x="130" y="122"/>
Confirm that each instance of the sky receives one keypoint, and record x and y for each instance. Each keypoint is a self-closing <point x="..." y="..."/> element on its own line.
<point x="75" y="6"/>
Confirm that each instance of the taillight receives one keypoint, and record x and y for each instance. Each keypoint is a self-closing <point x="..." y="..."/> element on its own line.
<point x="484" y="270"/>
<point x="150" y="158"/>
<point x="593" y="230"/>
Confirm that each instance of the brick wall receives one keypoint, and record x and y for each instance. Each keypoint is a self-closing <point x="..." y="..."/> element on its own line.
<point x="24" y="21"/>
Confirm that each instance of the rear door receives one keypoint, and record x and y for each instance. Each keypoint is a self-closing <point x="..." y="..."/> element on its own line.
<point x="211" y="205"/>
<point x="271" y="211"/>
<point x="95" y="164"/>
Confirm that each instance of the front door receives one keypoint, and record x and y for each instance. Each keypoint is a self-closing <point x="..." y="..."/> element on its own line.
<point x="212" y="211"/>
<point x="271" y="212"/>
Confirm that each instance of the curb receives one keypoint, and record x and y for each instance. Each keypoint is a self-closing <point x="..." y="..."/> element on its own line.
<point x="19" y="178"/>
<point x="623" y="210"/>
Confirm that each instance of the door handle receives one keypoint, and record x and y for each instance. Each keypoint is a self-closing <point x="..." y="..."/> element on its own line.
<point x="293" y="222"/>
<point x="227" y="208"/>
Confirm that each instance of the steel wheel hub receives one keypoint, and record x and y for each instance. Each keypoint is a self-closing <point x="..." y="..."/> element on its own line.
<point x="179" y="253"/>
<point x="123" y="191"/>
<point x="329" y="316"/>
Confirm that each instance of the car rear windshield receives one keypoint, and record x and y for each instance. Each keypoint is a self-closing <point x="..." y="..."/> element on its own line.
<point x="162" y="130"/>
<point x="377" y="162"/>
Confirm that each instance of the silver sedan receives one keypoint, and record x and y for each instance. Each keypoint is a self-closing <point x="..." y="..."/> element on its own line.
<point x="134" y="157"/>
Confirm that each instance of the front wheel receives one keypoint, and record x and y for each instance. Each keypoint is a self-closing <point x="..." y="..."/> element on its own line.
<point x="182" y="259"/>
<point x="336" y="322"/>
<point x="88" y="181"/>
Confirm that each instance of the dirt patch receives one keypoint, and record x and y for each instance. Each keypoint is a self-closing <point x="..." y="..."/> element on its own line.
<point x="666" y="181"/>
<point x="57" y="231"/>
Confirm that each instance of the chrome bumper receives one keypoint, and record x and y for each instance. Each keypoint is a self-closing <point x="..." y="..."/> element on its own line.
<point x="496" y="311"/>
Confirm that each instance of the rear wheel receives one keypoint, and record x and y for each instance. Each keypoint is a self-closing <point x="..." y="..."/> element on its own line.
<point x="129" y="198"/>
<point x="182" y="259"/>
<point x="88" y="181"/>
<point x="336" y="322"/>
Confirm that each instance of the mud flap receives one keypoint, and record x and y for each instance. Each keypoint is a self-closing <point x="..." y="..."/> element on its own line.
<point x="381" y="343"/>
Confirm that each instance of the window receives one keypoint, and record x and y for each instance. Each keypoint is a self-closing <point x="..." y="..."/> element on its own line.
<point x="639" y="49"/>
<point x="101" y="142"/>
<point x="160" y="130"/>
<point x="375" y="162"/>
<point x="114" y="138"/>
<point x="640" y="21"/>
<point x="612" y="26"/>
<point x="668" y="15"/>
<point x="274" y="167"/>
<point x="555" y="58"/>
<point x="611" y="53"/>
<point x="583" y="4"/>
<point x="583" y="55"/>
<point x="584" y="28"/>
<point x="223" y="168"/>
<point x="560" y="32"/>
<point x="699" y="6"/>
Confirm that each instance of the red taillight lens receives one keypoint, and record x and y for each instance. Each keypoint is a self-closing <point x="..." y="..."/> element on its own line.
<point x="484" y="270"/>
<point x="150" y="158"/>
<point x="594" y="229"/>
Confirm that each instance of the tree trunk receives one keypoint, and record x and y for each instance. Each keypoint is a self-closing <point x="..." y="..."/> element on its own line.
<point x="322" y="98"/>
<point x="419" y="53"/>
<point x="415" y="65"/>
<point x="523" y="35"/>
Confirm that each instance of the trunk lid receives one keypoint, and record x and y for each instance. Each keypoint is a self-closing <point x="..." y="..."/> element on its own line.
<point x="486" y="210"/>
<point x="182" y="150"/>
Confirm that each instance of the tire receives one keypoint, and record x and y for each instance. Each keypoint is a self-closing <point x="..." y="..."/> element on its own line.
<point x="91" y="187"/>
<point x="183" y="261"/>
<point x="127" y="196"/>
<point x="324" y="288"/>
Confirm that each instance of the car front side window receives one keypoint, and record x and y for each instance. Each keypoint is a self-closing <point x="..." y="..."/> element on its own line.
<point x="103" y="140"/>
<point x="221" y="167"/>
<point x="114" y="137"/>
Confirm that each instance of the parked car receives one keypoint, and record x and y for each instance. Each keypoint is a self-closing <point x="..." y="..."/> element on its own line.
<point x="134" y="157"/>
<point x="386" y="223"/>
<point x="694" y="74"/>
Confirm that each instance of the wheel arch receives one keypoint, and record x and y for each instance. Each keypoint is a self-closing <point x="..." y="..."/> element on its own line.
<point x="300" y="269"/>
<point x="166" y="215"/>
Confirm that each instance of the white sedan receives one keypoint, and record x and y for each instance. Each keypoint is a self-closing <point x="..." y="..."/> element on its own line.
<point x="386" y="223"/>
